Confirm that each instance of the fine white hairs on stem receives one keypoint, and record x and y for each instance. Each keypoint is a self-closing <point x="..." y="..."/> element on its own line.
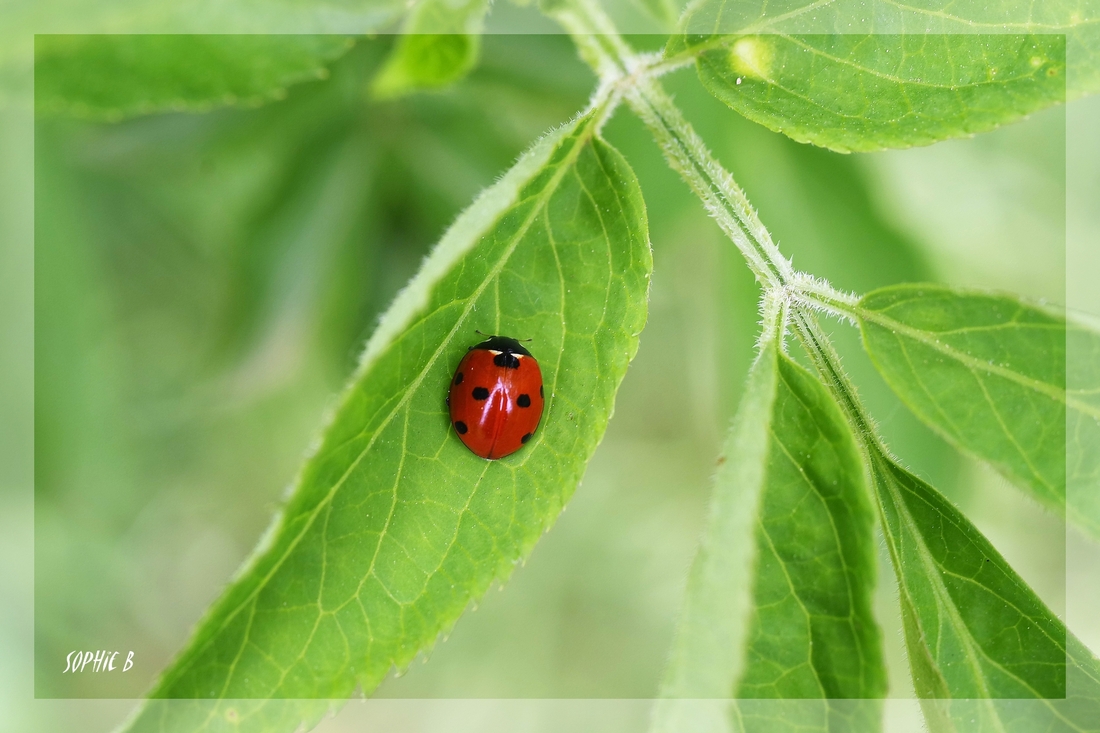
<point x="817" y="294"/>
<point x="774" y="315"/>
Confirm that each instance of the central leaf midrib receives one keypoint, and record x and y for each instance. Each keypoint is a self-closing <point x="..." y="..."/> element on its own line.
<point x="793" y="38"/>
<point x="544" y="196"/>
<point x="1028" y="28"/>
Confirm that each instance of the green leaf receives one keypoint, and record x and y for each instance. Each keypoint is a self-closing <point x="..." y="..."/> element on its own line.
<point x="989" y="373"/>
<point x="1078" y="23"/>
<point x="779" y="597"/>
<point x="110" y="77"/>
<point x="812" y="633"/>
<point x="980" y="642"/>
<point x="438" y="46"/>
<point x="1083" y="427"/>
<point x="23" y="19"/>
<point x="870" y="92"/>
<point x="394" y="527"/>
<point x="708" y="656"/>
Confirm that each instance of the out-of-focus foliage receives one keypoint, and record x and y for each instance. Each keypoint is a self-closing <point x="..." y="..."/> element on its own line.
<point x="24" y="19"/>
<point x="110" y="77"/>
<point x="439" y="45"/>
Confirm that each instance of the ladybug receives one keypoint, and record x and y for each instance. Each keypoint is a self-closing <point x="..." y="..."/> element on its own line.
<point x="496" y="397"/>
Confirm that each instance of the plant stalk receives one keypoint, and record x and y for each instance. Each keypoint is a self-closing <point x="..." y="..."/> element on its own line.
<point x="633" y="77"/>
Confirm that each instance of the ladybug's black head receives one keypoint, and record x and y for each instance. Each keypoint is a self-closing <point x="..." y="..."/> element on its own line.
<point x="503" y="344"/>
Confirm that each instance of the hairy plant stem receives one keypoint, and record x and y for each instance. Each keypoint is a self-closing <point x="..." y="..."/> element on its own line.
<point x="827" y="362"/>
<point x="792" y="294"/>
<point x="632" y="76"/>
<point x="722" y="197"/>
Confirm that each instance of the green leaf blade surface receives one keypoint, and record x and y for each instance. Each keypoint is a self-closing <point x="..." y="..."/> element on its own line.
<point x="980" y="641"/>
<point x="109" y="77"/>
<point x="1079" y="23"/>
<point x="778" y="611"/>
<point x="989" y="373"/>
<point x="812" y="631"/>
<point x="395" y="527"/>
<point x="861" y="92"/>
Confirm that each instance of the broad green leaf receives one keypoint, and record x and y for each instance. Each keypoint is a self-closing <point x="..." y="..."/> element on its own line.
<point x="394" y="527"/>
<point x="778" y="601"/>
<point x="439" y="45"/>
<point x="989" y="373"/>
<point x="1079" y="23"/>
<point x="980" y="642"/>
<point x="870" y="92"/>
<point x="110" y="77"/>
<point x="23" y="19"/>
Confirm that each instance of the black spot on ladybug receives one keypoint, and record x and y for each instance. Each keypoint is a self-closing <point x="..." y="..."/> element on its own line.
<point x="507" y="360"/>
<point x="523" y="401"/>
<point x="480" y="393"/>
<point x="525" y="438"/>
<point x="461" y="427"/>
<point x="458" y="378"/>
<point x="540" y="391"/>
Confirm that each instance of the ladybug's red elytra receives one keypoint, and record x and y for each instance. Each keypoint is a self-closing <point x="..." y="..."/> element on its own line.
<point x="496" y="397"/>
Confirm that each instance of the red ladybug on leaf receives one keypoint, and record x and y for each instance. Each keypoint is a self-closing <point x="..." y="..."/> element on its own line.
<point x="496" y="397"/>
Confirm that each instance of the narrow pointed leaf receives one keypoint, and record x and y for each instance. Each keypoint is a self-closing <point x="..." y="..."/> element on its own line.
<point x="110" y="77"/>
<point x="811" y="631"/>
<point x="989" y="373"/>
<point x="439" y="45"/>
<point x="871" y="92"/>
<point x="980" y="642"/>
<point x="778" y="604"/>
<point x="708" y="656"/>
<point x="394" y="527"/>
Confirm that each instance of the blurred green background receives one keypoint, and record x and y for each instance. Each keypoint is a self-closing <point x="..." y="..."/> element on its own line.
<point x="204" y="283"/>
